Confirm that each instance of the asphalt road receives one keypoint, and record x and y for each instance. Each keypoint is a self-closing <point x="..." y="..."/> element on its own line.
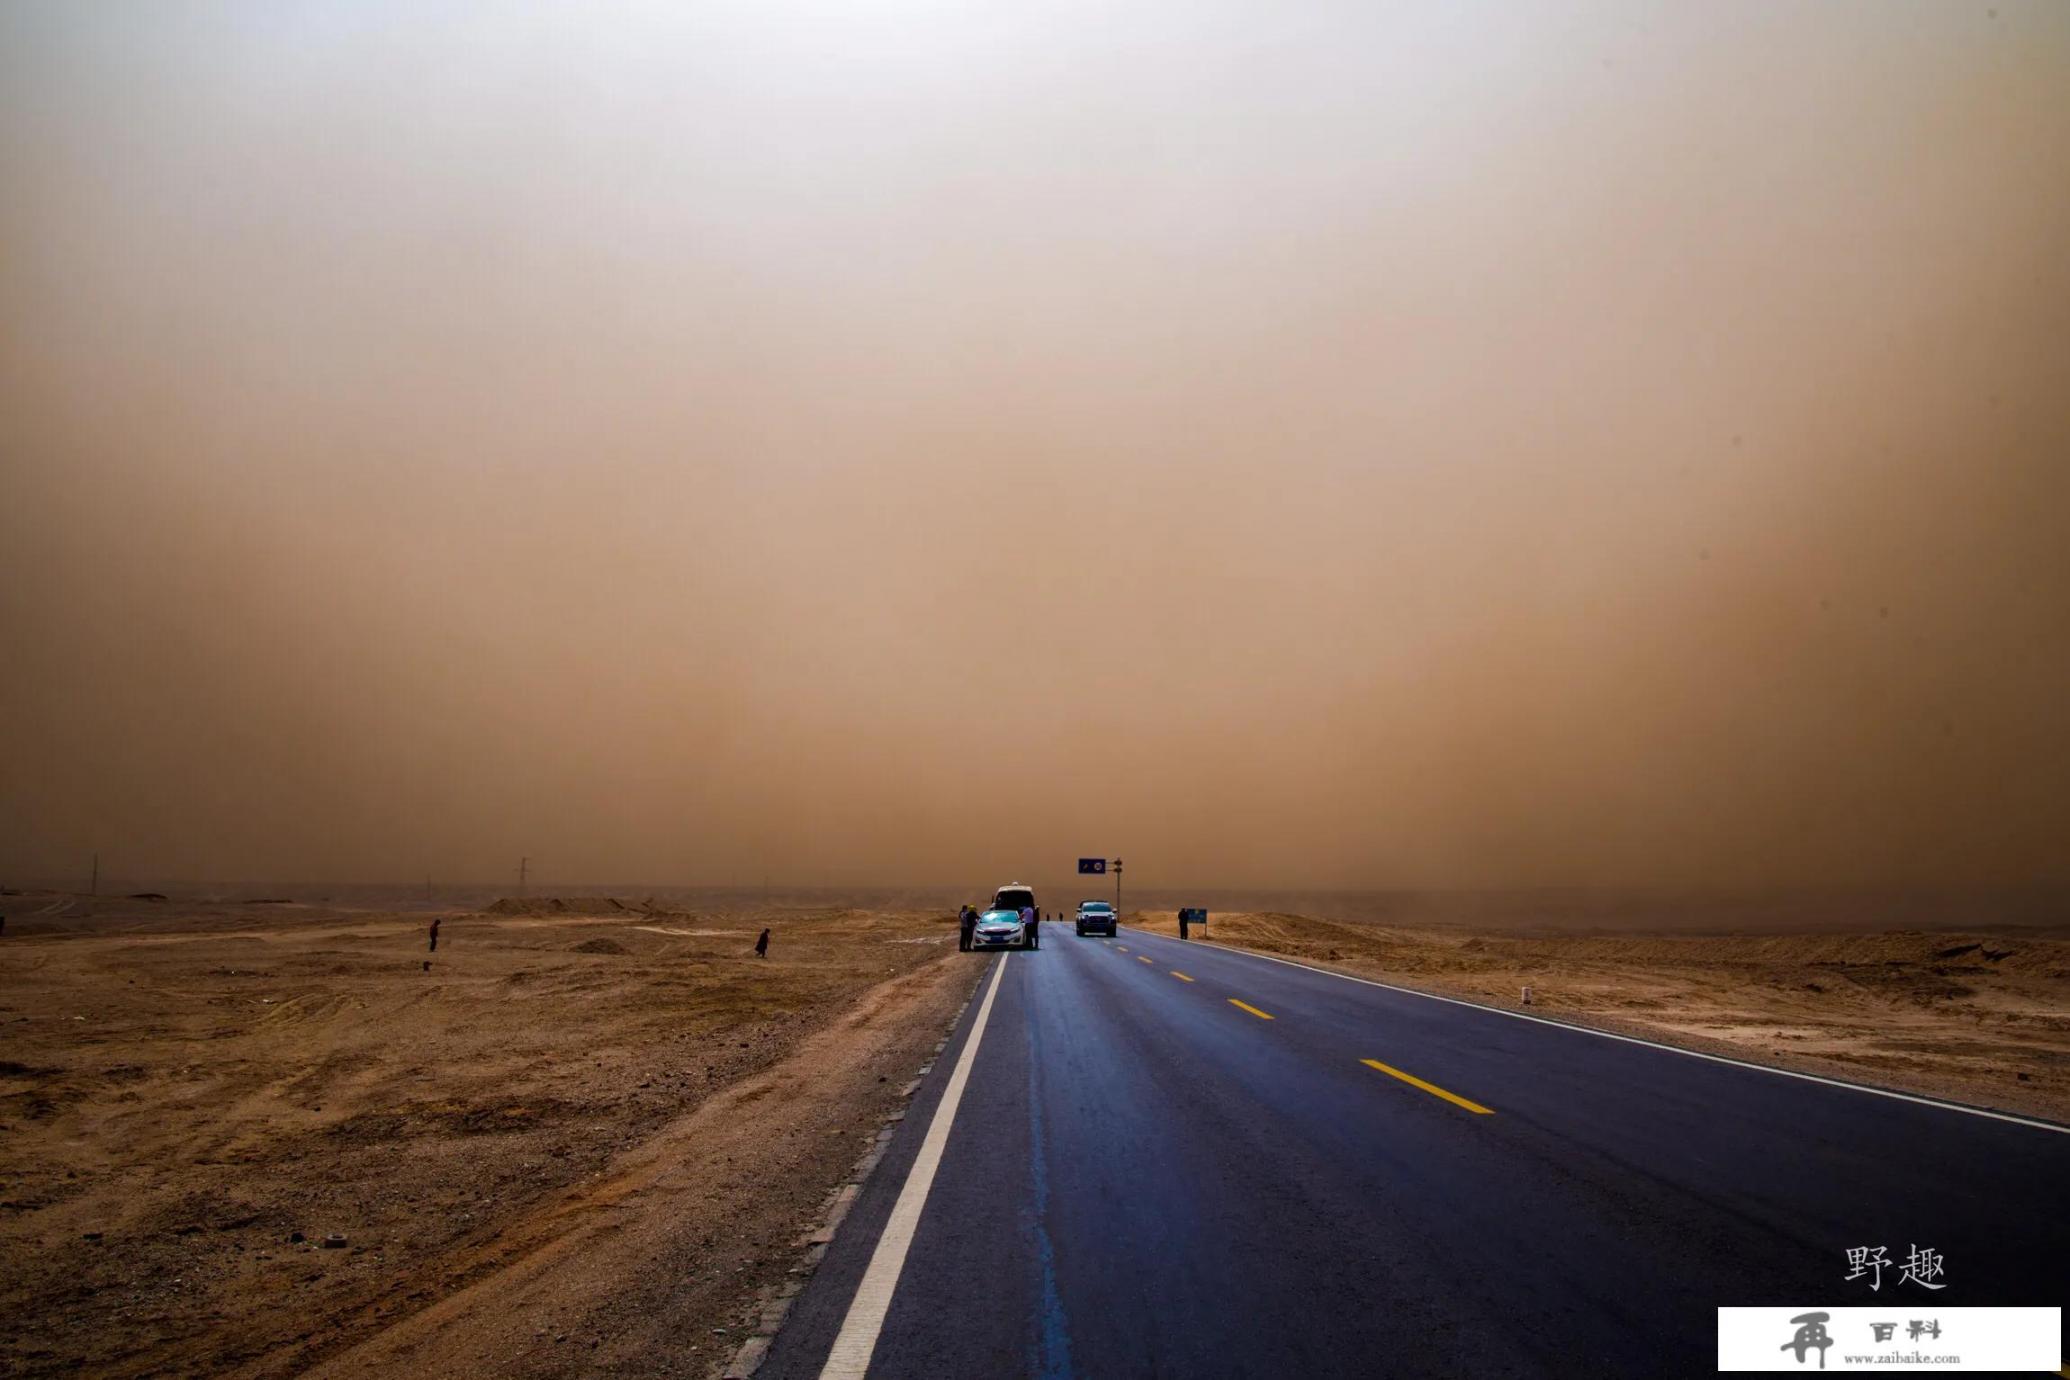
<point x="1145" y="1175"/>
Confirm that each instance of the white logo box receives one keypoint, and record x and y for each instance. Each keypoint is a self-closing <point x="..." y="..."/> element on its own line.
<point x="1764" y="1339"/>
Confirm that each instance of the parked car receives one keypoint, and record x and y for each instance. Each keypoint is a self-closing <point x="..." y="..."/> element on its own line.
<point x="1001" y="928"/>
<point x="1095" y="917"/>
<point x="1016" y="897"/>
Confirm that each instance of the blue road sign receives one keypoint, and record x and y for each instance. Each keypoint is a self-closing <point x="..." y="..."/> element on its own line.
<point x="1092" y="865"/>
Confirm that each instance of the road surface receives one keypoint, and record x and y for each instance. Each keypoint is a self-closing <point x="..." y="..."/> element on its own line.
<point x="1163" y="1158"/>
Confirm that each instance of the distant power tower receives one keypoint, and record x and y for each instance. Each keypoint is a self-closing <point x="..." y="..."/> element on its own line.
<point x="524" y="867"/>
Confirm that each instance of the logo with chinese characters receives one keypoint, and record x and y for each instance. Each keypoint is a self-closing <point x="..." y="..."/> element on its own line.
<point x="1811" y="1332"/>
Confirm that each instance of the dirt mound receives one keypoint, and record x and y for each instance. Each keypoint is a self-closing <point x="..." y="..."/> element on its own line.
<point x="573" y="905"/>
<point x="524" y="905"/>
<point x="601" y="946"/>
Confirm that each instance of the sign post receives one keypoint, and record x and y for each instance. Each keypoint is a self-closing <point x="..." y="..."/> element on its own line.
<point x="1117" y="890"/>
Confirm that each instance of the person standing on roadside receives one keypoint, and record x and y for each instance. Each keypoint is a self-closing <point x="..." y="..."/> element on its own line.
<point x="762" y="945"/>
<point x="1031" y="922"/>
<point x="434" y="932"/>
<point x="966" y="920"/>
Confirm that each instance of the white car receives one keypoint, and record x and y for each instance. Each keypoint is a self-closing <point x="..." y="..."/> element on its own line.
<point x="1017" y="897"/>
<point x="1095" y="917"/>
<point x="1000" y="929"/>
<point x="1014" y="896"/>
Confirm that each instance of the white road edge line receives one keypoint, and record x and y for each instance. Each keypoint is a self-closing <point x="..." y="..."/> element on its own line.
<point x="1654" y="1044"/>
<point x="849" y="1359"/>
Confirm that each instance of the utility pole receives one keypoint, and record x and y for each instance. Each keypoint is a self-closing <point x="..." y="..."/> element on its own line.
<point x="524" y="865"/>
<point x="1117" y="888"/>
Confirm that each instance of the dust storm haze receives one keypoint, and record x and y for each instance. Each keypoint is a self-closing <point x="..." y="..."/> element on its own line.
<point x="1329" y="445"/>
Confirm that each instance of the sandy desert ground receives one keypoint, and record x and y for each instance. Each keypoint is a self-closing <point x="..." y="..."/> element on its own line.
<point x="1976" y="1016"/>
<point x="194" y="1098"/>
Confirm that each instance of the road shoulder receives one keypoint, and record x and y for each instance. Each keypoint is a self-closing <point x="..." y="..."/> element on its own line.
<point x="666" y="1264"/>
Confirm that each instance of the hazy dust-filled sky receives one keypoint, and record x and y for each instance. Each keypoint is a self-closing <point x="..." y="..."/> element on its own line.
<point x="1333" y="444"/>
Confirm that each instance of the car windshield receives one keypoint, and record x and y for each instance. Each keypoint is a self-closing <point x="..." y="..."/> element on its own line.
<point x="1014" y="900"/>
<point x="1002" y="917"/>
<point x="1094" y="905"/>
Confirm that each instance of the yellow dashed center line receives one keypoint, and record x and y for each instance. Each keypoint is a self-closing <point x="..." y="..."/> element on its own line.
<point x="1261" y="1015"/>
<point x="1180" y="976"/>
<point x="1433" y="1089"/>
<point x="1141" y="959"/>
<point x="1122" y="947"/>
